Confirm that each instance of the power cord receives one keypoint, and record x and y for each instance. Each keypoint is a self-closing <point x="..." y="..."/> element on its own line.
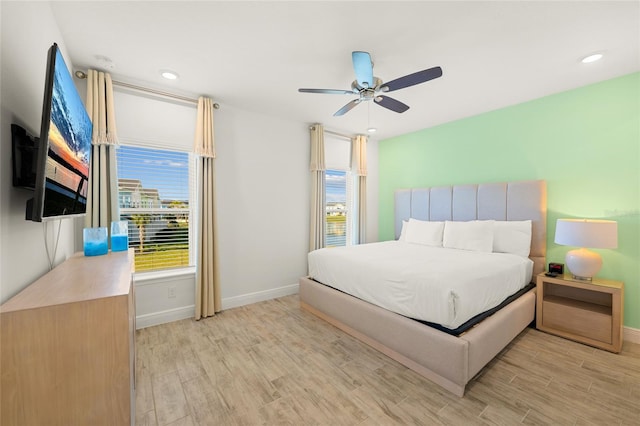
<point x="55" y="247"/>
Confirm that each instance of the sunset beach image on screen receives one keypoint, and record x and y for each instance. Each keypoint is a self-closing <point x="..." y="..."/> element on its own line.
<point x="67" y="170"/>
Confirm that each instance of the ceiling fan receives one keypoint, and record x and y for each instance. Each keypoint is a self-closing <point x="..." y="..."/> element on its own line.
<point x="368" y="87"/>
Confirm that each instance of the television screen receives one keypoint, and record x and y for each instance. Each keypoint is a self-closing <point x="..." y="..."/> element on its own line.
<point x="65" y="137"/>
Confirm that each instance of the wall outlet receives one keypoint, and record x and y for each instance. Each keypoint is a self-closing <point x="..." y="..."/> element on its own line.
<point x="172" y="292"/>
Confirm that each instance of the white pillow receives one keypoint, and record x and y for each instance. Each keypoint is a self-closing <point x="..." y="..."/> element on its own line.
<point x="512" y="237"/>
<point x="474" y="235"/>
<point x="424" y="232"/>
<point x="403" y="231"/>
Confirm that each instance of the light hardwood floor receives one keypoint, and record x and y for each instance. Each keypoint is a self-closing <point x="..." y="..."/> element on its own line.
<point x="273" y="364"/>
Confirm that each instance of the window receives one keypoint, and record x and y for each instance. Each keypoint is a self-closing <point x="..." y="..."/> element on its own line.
<point x="155" y="193"/>
<point x="335" y="231"/>
<point x="340" y="187"/>
<point x="340" y="208"/>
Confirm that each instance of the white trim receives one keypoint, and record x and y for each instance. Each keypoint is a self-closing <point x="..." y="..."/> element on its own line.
<point x="146" y="278"/>
<point x="631" y="334"/>
<point x="157" y="318"/>
<point x="184" y="312"/>
<point x="259" y="296"/>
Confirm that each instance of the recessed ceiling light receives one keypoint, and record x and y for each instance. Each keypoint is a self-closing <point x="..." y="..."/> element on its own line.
<point x="169" y="75"/>
<point x="372" y="130"/>
<point x="592" y="58"/>
<point x="105" y="62"/>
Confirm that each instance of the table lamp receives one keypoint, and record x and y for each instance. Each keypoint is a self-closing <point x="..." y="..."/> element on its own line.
<point x="586" y="233"/>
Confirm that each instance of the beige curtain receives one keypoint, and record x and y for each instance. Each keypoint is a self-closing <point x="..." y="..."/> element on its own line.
<point x="317" y="168"/>
<point x="359" y="168"/>
<point x="102" y="194"/>
<point x="208" y="300"/>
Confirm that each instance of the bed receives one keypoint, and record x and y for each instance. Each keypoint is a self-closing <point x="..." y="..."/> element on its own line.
<point x="447" y="359"/>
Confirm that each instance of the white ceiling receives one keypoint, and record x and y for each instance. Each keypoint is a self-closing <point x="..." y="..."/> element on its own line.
<point x="255" y="55"/>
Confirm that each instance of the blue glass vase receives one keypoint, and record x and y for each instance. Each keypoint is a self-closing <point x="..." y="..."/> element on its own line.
<point x="95" y="241"/>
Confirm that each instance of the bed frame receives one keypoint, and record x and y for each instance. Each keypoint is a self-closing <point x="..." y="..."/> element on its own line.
<point x="442" y="358"/>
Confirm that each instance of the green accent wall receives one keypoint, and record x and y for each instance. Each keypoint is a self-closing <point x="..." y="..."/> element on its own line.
<point x="584" y="142"/>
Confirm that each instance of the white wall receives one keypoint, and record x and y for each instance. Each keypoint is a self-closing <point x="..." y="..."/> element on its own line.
<point x="262" y="180"/>
<point x="27" y="31"/>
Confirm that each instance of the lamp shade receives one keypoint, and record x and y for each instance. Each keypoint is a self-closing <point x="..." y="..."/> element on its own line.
<point x="585" y="264"/>
<point x="588" y="233"/>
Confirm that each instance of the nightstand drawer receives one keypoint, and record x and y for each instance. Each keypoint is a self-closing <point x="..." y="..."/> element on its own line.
<point x="579" y="318"/>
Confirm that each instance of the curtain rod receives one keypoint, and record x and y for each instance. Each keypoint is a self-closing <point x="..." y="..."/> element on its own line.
<point x="82" y="75"/>
<point x="333" y="133"/>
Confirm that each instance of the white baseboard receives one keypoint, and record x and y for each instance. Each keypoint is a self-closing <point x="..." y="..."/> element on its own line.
<point x="163" y="317"/>
<point x="259" y="296"/>
<point x="176" y="314"/>
<point x="631" y="335"/>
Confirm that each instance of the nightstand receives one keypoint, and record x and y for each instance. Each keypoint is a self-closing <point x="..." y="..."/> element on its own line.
<point x="589" y="312"/>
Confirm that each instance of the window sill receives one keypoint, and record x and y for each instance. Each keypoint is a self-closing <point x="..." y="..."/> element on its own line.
<point x="141" y="277"/>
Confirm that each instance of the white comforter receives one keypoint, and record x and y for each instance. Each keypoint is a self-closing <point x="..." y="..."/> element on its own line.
<point x="440" y="285"/>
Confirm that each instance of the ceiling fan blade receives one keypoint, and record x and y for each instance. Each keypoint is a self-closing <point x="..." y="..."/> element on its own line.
<point x="363" y="68"/>
<point x="412" y="79"/>
<point x="391" y="104"/>
<point x="327" y="91"/>
<point x="348" y="107"/>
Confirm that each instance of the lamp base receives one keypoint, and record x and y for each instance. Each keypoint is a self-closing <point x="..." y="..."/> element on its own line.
<point x="583" y="264"/>
<point x="577" y="278"/>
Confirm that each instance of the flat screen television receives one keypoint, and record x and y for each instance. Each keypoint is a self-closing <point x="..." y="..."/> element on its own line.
<point x="62" y="170"/>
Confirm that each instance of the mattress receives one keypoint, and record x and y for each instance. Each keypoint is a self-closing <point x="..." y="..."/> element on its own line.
<point x="434" y="284"/>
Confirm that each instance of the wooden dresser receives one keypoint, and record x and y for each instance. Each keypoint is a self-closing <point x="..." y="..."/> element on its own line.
<point x="68" y="346"/>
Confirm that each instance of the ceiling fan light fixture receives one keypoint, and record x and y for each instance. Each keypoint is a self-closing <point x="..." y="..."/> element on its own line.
<point x="591" y="58"/>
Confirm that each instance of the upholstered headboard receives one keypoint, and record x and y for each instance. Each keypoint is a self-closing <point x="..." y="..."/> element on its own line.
<point x="498" y="201"/>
